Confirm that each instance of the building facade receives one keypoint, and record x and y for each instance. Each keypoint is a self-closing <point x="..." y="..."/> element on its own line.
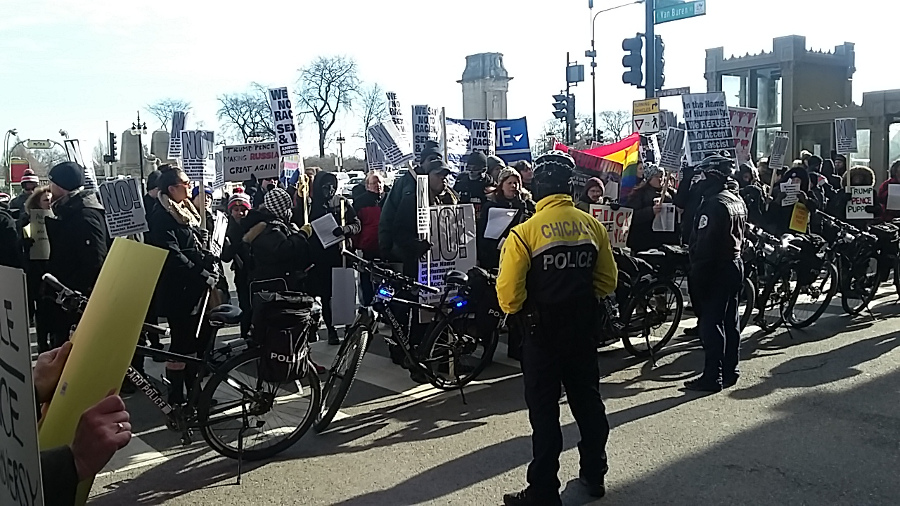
<point x="485" y="83"/>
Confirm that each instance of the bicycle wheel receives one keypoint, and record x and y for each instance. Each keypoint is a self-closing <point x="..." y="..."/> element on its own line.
<point x="235" y="392"/>
<point x="343" y="370"/>
<point x="453" y="354"/>
<point x="651" y="318"/>
<point x="773" y="301"/>
<point x="746" y="303"/>
<point x="807" y="303"/>
<point x="859" y="287"/>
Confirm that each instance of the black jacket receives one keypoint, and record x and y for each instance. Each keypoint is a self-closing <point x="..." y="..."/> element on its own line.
<point x="79" y="240"/>
<point x="755" y="199"/>
<point x="278" y="251"/>
<point x="688" y="201"/>
<point x="407" y="247"/>
<point x="182" y="284"/>
<point x="641" y="236"/>
<point x="10" y="249"/>
<point x="389" y="212"/>
<point x="319" y="282"/>
<point x="777" y="220"/>
<point x="473" y="192"/>
<point x="717" y="238"/>
<point x="488" y="249"/>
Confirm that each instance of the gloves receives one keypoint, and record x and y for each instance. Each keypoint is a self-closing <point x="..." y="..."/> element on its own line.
<point x="421" y="247"/>
<point x="306" y="231"/>
<point x="872" y="209"/>
<point x="615" y="206"/>
<point x="338" y="231"/>
<point x="211" y="278"/>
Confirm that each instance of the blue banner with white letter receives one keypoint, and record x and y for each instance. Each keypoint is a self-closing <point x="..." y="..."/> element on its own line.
<point x="512" y="142"/>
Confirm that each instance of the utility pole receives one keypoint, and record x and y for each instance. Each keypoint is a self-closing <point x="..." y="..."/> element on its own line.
<point x="650" y="84"/>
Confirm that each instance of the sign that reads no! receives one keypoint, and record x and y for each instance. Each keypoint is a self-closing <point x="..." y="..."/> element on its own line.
<point x="124" y="207"/>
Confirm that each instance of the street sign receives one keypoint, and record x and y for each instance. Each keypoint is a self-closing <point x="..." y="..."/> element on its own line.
<point x="645" y="115"/>
<point x="674" y="92"/>
<point x="37" y="144"/>
<point x="679" y="11"/>
<point x="648" y="106"/>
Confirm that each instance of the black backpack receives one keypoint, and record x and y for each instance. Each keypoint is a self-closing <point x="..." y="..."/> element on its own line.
<point x="282" y="323"/>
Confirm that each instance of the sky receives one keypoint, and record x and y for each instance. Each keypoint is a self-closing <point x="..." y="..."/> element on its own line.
<point x="72" y="64"/>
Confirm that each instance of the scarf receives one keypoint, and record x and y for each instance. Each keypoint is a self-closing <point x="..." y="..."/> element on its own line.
<point x="184" y="212"/>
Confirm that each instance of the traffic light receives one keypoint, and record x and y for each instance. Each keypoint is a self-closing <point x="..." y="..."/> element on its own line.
<point x="111" y="157"/>
<point x="560" y="106"/>
<point x="660" y="63"/>
<point x="633" y="61"/>
<point x="598" y="136"/>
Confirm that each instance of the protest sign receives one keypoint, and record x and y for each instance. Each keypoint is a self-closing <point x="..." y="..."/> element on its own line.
<point x="617" y="222"/>
<point x="861" y="197"/>
<point x="893" y="200"/>
<point x="37" y="232"/>
<point x="19" y="449"/>
<point x="289" y="167"/>
<point x="324" y="229"/>
<point x="512" y="140"/>
<point x="73" y="152"/>
<point x="396" y="113"/>
<point x="217" y="240"/>
<point x="743" y="124"/>
<point x="799" y="218"/>
<point x="665" y="220"/>
<point x="791" y="192"/>
<point x="374" y="156"/>
<point x="423" y="223"/>
<point x="483" y="137"/>
<point x="124" y="207"/>
<point x="845" y="135"/>
<point x="396" y="148"/>
<point x="197" y="156"/>
<point x="458" y="135"/>
<point x="453" y="238"/>
<point x="219" y="181"/>
<point x="426" y="123"/>
<point x="780" y="146"/>
<point x="708" y="126"/>
<point x="174" y="150"/>
<point x="241" y="161"/>
<point x="673" y="149"/>
<point x="283" y="121"/>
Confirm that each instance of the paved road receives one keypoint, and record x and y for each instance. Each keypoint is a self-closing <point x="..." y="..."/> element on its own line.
<point x="814" y="420"/>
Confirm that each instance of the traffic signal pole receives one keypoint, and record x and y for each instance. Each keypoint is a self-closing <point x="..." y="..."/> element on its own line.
<point x="650" y="60"/>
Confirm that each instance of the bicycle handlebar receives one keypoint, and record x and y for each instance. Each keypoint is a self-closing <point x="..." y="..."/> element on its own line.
<point x="371" y="267"/>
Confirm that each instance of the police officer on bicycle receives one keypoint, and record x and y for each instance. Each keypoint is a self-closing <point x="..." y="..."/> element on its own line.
<point x="553" y="269"/>
<point x="717" y="272"/>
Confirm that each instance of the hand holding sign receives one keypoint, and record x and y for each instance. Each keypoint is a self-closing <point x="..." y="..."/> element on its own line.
<point x="102" y="430"/>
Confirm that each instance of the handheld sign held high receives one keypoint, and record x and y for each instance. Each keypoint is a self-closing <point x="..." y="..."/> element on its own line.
<point x="283" y="119"/>
<point x="124" y="207"/>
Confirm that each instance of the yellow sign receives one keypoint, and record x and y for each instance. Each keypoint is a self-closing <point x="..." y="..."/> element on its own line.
<point x="648" y="106"/>
<point x="799" y="218"/>
<point x="104" y="340"/>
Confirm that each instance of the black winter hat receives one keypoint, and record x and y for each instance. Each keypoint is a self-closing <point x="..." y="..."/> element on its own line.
<point x="152" y="179"/>
<point x="477" y="159"/>
<point x="67" y="175"/>
<point x="431" y="149"/>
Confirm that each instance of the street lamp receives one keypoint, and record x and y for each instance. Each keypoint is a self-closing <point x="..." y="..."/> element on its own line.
<point x="592" y="54"/>
<point x="341" y="140"/>
<point x="64" y="134"/>
<point x="6" y="153"/>
<point x="139" y="129"/>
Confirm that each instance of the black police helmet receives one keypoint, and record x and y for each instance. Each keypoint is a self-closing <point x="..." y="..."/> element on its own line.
<point x="717" y="165"/>
<point x="552" y="174"/>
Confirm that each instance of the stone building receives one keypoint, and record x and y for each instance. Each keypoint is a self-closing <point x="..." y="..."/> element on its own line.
<point x="485" y="83"/>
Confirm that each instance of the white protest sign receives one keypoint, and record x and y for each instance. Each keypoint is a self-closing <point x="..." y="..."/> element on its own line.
<point x="396" y="148"/>
<point x="283" y="120"/>
<point x="219" y="181"/>
<point x="124" y="207"/>
<point x="423" y="217"/>
<point x="217" y="241"/>
<point x="73" y="152"/>
<point x="617" y="222"/>
<point x="241" y="161"/>
<point x="743" y="124"/>
<point x="426" y="122"/>
<point x="174" y="150"/>
<point x="780" y="146"/>
<point x="324" y="227"/>
<point x="483" y="137"/>
<point x="37" y="230"/>
<point x="893" y="199"/>
<point x="374" y="156"/>
<point x="396" y="112"/>
<point x="453" y="245"/>
<point x="665" y="220"/>
<point x="791" y="193"/>
<point x="197" y="154"/>
<point x="672" y="150"/>
<point x="860" y="198"/>
<point x="18" y="440"/>
<point x="708" y="126"/>
<point x="845" y="135"/>
<point x="457" y="144"/>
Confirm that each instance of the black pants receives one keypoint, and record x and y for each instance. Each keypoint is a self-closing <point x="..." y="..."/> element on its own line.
<point x="561" y="352"/>
<point x="185" y="338"/>
<point x="242" y="285"/>
<point x="719" y="324"/>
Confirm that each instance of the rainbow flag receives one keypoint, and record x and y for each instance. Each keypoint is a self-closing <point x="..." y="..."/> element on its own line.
<point x="619" y="157"/>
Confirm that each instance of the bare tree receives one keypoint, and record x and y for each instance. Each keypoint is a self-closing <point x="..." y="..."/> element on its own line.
<point x="97" y="157"/>
<point x="554" y="130"/>
<point x="163" y="109"/>
<point x="326" y="87"/>
<point x="614" y="124"/>
<point x="374" y="107"/>
<point x="246" y="114"/>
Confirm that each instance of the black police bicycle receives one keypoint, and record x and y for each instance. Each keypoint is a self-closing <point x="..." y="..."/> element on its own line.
<point x="448" y="356"/>
<point x="238" y="414"/>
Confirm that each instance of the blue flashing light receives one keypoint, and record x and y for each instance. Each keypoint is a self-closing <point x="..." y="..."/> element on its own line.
<point x="461" y="303"/>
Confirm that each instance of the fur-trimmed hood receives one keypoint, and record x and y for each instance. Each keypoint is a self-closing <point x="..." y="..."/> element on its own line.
<point x="859" y="176"/>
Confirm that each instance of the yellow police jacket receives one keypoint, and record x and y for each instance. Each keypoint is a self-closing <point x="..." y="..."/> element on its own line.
<point x="561" y="255"/>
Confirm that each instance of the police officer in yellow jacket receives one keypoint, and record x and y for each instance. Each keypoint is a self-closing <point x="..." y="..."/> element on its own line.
<point x="553" y="269"/>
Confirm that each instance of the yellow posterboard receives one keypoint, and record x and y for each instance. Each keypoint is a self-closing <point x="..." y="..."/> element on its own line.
<point x="799" y="218"/>
<point x="104" y="341"/>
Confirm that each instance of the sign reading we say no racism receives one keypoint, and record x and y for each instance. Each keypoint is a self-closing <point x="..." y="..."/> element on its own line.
<point x="283" y="120"/>
<point x="426" y="126"/>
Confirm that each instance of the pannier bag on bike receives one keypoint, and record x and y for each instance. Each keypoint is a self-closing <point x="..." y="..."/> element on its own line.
<point x="281" y="325"/>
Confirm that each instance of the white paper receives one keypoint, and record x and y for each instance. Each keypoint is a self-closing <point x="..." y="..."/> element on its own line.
<point x="396" y="113"/>
<point x="893" y="200"/>
<point x="665" y="220"/>
<point x="860" y="198"/>
<point x="324" y="228"/>
<point x="241" y="161"/>
<point x="18" y="440"/>
<point x="37" y="225"/>
<point x="779" y="150"/>
<point x="123" y="207"/>
<point x="673" y="149"/>
<point x="498" y="221"/>
<point x="790" y="191"/>
<point x="283" y="120"/>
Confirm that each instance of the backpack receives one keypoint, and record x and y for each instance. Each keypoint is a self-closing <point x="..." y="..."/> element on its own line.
<point x="282" y="323"/>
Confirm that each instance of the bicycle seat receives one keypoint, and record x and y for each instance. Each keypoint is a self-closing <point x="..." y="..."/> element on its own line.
<point x="225" y="315"/>
<point x="456" y="278"/>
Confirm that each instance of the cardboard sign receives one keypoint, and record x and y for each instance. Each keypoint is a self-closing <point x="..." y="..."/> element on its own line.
<point x="396" y="148"/>
<point x="124" y="207"/>
<point x="21" y="482"/>
<point x="799" y="218"/>
<point x="174" y="150"/>
<point x="743" y="124"/>
<point x="37" y="231"/>
<point x="426" y="123"/>
<point x="283" y="120"/>
<point x="860" y="198"/>
<point x="665" y="220"/>
<point x="374" y="156"/>
<point x="197" y="154"/>
<point x="845" y="135"/>
<point x="483" y="137"/>
<point x="453" y="238"/>
<point x="73" y="152"/>
<point x="708" y="125"/>
<point x="617" y="223"/>
<point x="791" y="193"/>
<point x="244" y="160"/>
<point x="780" y="146"/>
<point x="396" y="112"/>
<point x="893" y="200"/>
<point x="672" y="150"/>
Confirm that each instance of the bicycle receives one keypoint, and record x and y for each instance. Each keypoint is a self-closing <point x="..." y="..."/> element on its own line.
<point x="434" y="357"/>
<point x="233" y="392"/>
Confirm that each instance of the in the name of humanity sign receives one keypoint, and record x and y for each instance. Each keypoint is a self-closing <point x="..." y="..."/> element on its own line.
<point x="708" y="125"/>
<point x="453" y="245"/>
<point x="124" y="207"/>
<point x="241" y="161"/>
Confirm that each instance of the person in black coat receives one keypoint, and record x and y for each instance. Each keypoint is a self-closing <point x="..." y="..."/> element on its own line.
<point x="187" y="276"/>
<point x="234" y="251"/>
<point x="10" y="249"/>
<point x="475" y="184"/>
<point x="390" y="207"/>
<point x="778" y="218"/>
<point x="324" y="201"/>
<point x="753" y="193"/>
<point x="508" y="195"/>
<point x="79" y="241"/>
<point x="646" y="200"/>
<point x="150" y="202"/>
<point x="278" y="248"/>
